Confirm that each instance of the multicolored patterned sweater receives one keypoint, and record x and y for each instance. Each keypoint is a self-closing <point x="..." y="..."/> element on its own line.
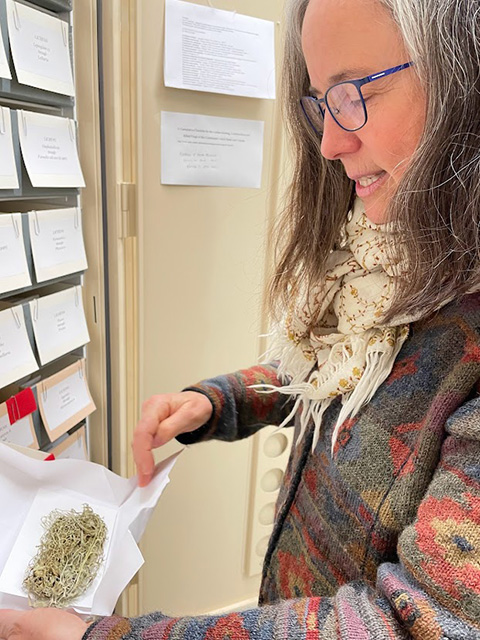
<point x="382" y="539"/>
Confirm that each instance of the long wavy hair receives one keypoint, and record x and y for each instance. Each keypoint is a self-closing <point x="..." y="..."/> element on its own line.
<point x="436" y="207"/>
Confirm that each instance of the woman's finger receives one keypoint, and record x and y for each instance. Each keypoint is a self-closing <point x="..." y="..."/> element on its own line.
<point x="142" y="446"/>
<point x="154" y="411"/>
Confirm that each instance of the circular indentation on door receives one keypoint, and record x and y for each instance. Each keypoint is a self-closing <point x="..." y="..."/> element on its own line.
<point x="262" y="546"/>
<point x="267" y="514"/>
<point x="272" y="480"/>
<point x="275" y="445"/>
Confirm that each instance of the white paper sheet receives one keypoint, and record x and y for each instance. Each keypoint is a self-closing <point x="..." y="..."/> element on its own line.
<point x="64" y="400"/>
<point x="59" y="323"/>
<point x="49" y="150"/>
<point x="40" y="49"/>
<point x="57" y="242"/>
<point x="20" y="432"/>
<point x="4" y="68"/>
<point x="8" y="167"/>
<point x="218" y="51"/>
<point x="21" y="477"/>
<point x="16" y="355"/>
<point x="211" y="151"/>
<point x="14" y="273"/>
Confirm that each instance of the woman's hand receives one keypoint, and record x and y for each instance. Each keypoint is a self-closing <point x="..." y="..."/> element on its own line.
<point x="164" y="417"/>
<point x="41" y="624"/>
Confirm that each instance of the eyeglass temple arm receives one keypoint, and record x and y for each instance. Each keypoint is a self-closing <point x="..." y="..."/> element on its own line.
<point x="387" y="72"/>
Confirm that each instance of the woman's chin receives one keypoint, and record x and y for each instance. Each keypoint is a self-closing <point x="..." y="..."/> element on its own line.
<point x="376" y="212"/>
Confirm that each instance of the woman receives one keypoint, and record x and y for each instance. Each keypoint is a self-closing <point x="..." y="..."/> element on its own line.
<point x="377" y="530"/>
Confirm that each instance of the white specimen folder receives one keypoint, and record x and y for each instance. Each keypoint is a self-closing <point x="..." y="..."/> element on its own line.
<point x="25" y="546"/>
<point x="49" y="150"/>
<point x="211" y="151"/>
<point x="16" y="355"/>
<point x="218" y="51"/>
<point x="4" y="68"/>
<point x="40" y="49"/>
<point x="64" y="399"/>
<point x="59" y="323"/>
<point x="57" y="242"/>
<point x="34" y="486"/>
<point x="8" y="166"/>
<point x="72" y="447"/>
<point x="20" y="432"/>
<point x="14" y="272"/>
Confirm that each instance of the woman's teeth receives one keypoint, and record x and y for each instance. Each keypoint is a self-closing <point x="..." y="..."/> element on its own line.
<point x="368" y="180"/>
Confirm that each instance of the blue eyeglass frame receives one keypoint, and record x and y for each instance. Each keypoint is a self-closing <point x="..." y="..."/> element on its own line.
<point x="359" y="84"/>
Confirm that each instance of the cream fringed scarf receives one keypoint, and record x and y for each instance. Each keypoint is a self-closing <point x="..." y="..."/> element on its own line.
<point x="349" y="353"/>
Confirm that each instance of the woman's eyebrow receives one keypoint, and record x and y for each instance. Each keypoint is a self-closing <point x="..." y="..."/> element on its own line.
<point x="347" y="74"/>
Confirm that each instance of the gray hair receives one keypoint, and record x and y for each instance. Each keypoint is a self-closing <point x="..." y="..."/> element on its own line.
<point x="436" y="207"/>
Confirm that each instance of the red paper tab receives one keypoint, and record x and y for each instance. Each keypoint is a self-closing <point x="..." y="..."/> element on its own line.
<point x="50" y="457"/>
<point x="21" y="405"/>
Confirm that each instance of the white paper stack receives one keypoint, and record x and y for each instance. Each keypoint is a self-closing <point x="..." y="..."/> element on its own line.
<point x="4" y="68"/>
<point x="8" y="167"/>
<point x="49" y="150"/>
<point x="16" y="355"/>
<point x="40" y="48"/>
<point x="57" y="242"/>
<point x="59" y="323"/>
<point x="14" y="273"/>
<point x="72" y="446"/>
<point x="64" y="399"/>
<point x="21" y="432"/>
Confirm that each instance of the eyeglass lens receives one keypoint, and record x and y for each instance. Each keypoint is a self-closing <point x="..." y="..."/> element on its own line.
<point x="345" y="104"/>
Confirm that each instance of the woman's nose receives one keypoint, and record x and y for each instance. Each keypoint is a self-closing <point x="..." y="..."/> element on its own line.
<point x="336" y="142"/>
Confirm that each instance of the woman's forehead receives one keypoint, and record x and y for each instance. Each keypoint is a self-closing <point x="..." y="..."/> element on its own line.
<point x="352" y="38"/>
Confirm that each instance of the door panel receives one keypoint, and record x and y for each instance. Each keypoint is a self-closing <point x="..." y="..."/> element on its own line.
<point x="201" y="255"/>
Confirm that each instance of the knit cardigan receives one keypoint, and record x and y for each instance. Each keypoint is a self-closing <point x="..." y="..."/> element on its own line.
<point x="380" y="540"/>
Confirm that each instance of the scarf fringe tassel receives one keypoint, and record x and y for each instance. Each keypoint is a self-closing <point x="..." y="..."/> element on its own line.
<point x="377" y="368"/>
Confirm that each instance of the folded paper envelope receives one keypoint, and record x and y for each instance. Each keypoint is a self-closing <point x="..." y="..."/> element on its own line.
<point x="28" y="485"/>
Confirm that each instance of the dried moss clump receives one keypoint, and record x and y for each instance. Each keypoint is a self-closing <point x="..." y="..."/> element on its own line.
<point x="69" y="556"/>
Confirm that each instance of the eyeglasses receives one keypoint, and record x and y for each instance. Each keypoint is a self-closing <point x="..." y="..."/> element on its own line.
<point x="344" y="102"/>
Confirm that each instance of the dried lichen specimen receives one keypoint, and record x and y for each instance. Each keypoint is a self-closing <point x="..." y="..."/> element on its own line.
<point x="69" y="556"/>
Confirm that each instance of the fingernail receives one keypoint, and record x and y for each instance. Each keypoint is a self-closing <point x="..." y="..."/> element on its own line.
<point x="143" y="480"/>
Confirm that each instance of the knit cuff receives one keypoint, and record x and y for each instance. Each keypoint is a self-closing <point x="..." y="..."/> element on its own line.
<point x="111" y="627"/>
<point x="199" y="434"/>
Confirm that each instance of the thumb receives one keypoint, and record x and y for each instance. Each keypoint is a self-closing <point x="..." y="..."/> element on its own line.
<point x="9" y="619"/>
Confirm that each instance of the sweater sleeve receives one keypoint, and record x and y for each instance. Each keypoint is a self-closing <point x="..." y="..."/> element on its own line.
<point x="238" y="410"/>
<point x="431" y="593"/>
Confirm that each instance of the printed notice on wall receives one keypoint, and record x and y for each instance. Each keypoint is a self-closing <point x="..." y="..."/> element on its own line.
<point x="49" y="150"/>
<point x="210" y="151"/>
<point x="4" y="68"/>
<point x="59" y="323"/>
<point x="40" y="47"/>
<point x="57" y="242"/>
<point x="14" y="272"/>
<point x="16" y="355"/>
<point x="218" y="51"/>
<point x="8" y="167"/>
